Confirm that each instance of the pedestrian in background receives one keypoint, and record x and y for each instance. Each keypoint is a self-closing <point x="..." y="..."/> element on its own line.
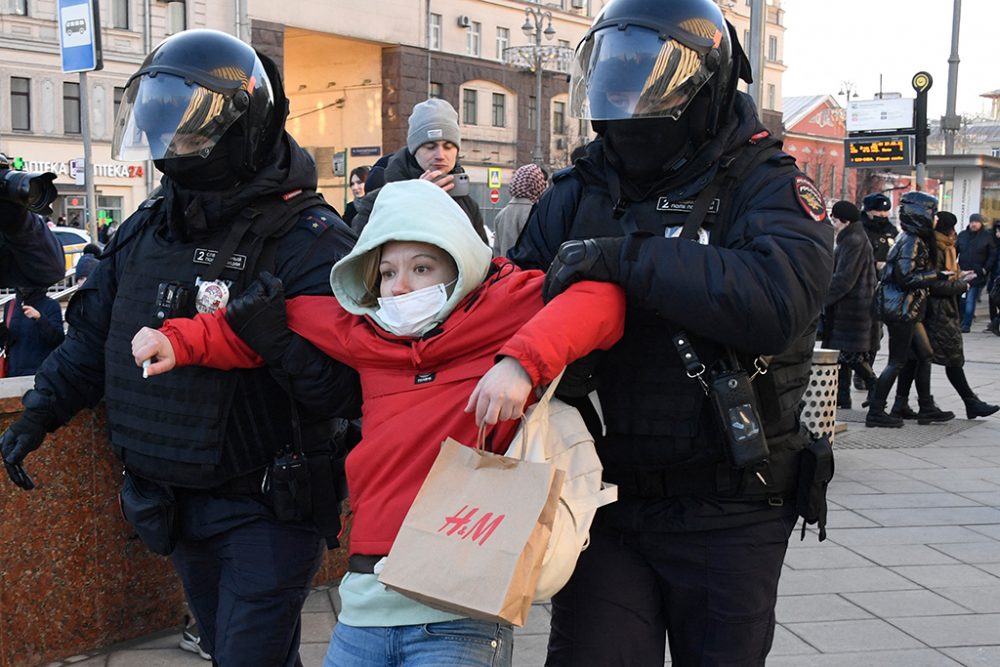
<point x="847" y="311"/>
<point x="993" y="286"/>
<point x="358" y="177"/>
<point x="431" y="153"/>
<point x="34" y="328"/>
<point x="725" y="251"/>
<point x="882" y="234"/>
<point x="976" y="255"/>
<point x="904" y="282"/>
<point x="526" y="186"/>
<point x="942" y="322"/>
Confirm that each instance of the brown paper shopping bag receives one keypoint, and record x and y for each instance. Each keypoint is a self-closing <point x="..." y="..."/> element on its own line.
<point x="474" y="538"/>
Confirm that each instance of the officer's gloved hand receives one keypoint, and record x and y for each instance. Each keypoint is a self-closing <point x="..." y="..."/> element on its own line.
<point x="590" y="259"/>
<point x="258" y="317"/>
<point x="23" y="437"/>
<point x="11" y="217"/>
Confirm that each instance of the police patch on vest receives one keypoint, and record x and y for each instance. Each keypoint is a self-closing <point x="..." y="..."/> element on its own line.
<point x="684" y="205"/>
<point x="810" y="198"/>
<point x="205" y="256"/>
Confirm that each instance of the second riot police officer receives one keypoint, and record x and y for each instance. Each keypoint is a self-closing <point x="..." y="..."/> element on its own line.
<point x="724" y="250"/>
<point x="223" y="471"/>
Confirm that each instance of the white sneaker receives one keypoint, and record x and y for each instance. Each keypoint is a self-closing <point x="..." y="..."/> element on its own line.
<point x="190" y="640"/>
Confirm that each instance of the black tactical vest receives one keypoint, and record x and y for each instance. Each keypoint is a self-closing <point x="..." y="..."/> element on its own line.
<point x="662" y="434"/>
<point x="193" y="427"/>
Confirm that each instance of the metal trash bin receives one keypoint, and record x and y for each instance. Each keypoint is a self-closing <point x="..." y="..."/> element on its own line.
<point x="819" y="402"/>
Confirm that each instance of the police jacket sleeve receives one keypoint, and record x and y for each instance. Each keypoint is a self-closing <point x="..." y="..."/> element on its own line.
<point x="324" y="386"/>
<point x="30" y="254"/>
<point x="72" y="377"/>
<point x="587" y="316"/>
<point x="756" y="291"/>
<point x="847" y="266"/>
<point x="548" y="224"/>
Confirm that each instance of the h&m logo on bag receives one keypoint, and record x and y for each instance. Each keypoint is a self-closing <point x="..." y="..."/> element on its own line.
<point x="481" y="530"/>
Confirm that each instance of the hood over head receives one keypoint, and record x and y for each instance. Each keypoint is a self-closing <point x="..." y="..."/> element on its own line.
<point x="413" y="210"/>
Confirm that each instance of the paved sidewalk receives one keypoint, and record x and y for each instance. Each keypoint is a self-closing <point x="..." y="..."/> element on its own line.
<point x="909" y="575"/>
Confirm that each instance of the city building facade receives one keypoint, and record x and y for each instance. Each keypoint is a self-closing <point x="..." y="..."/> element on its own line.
<point x="353" y="71"/>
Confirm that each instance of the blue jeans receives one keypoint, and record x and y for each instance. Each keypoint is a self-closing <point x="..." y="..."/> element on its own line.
<point x="969" y="305"/>
<point x="462" y="643"/>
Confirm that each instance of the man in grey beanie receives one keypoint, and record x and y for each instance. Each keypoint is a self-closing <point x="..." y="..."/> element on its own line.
<point x="431" y="154"/>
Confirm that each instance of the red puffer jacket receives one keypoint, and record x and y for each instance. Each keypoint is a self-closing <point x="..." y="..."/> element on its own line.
<point x="415" y="390"/>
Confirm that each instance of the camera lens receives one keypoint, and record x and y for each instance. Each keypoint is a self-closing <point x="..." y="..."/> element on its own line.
<point x="34" y="191"/>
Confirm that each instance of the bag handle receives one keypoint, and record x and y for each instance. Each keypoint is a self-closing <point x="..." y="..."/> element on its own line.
<point x="527" y="421"/>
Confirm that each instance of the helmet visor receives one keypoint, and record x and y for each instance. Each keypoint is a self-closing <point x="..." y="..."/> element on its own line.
<point x="165" y="116"/>
<point x="634" y="73"/>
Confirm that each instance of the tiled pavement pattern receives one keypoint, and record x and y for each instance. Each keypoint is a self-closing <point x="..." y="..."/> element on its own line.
<point x="909" y="575"/>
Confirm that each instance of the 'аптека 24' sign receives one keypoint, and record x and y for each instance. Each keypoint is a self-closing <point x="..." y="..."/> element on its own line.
<point x="890" y="151"/>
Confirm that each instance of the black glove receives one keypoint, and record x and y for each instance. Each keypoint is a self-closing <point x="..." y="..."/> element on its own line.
<point x="258" y="317"/>
<point x="591" y="259"/>
<point x="12" y="217"/>
<point x="23" y="437"/>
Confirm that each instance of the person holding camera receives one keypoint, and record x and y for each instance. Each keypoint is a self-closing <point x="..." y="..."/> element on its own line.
<point x="725" y="253"/>
<point x="203" y="449"/>
<point x="30" y="254"/>
<point x="430" y="154"/>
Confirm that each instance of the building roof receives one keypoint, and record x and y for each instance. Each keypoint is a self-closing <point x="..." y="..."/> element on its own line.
<point x="798" y="108"/>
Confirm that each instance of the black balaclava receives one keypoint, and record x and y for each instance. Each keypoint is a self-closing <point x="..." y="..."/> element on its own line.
<point x="193" y="172"/>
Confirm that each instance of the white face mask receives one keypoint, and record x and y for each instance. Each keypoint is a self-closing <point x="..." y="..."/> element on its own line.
<point x="409" y="314"/>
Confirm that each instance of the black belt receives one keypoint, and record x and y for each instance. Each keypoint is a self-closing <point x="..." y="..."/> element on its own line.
<point x="244" y="485"/>
<point x="362" y="564"/>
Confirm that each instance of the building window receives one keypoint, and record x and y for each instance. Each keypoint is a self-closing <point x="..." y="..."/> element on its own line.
<point x="20" y="103"/>
<point x="16" y="7"/>
<point x="532" y="113"/>
<point x="558" y="118"/>
<point x="772" y="49"/>
<point x="995" y="152"/>
<point x="110" y="209"/>
<point x="436" y="91"/>
<point x="503" y="41"/>
<point x="770" y="95"/>
<point x="469" y="106"/>
<point x="499" y="110"/>
<point x="435" y="36"/>
<point x="119" y="14"/>
<point x="176" y="16"/>
<point x="71" y="108"/>
<point x="474" y="37"/>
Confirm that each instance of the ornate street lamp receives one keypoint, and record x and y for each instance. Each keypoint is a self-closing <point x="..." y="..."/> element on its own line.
<point x="537" y="22"/>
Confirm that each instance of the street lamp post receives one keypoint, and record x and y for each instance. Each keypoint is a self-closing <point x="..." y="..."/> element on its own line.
<point x="534" y="18"/>
<point x="848" y="91"/>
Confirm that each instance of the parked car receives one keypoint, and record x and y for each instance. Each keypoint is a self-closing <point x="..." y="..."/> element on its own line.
<point x="73" y="241"/>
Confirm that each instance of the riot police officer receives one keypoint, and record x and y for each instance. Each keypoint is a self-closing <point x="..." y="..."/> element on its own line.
<point x="724" y="250"/>
<point x="217" y="473"/>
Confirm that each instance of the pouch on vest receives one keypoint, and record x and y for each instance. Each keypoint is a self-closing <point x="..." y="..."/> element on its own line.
<point x="150" y="508"/>
<point x="815" y="472"/>
<point x="287" y="484"/>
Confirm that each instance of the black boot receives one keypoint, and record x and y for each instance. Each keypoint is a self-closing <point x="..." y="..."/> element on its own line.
<point x="877" y="418"/>
<point x="901" y="408"/>
<point x="859" y="382"/>
<point x="844" y="388"/>
<point x="994" y="326"/>
<point x="977" y="408"/>
<point x="930" y="412"/>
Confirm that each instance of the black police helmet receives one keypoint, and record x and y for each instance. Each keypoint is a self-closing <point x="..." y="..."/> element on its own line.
<point x="917" y="210"/>
<point x="650" y="59"/>
<point x="876" y="201"/>
<point x="192" y="90"/>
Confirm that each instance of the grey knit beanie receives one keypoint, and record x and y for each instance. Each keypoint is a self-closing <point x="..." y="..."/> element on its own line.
<point x="432" y="120"/>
